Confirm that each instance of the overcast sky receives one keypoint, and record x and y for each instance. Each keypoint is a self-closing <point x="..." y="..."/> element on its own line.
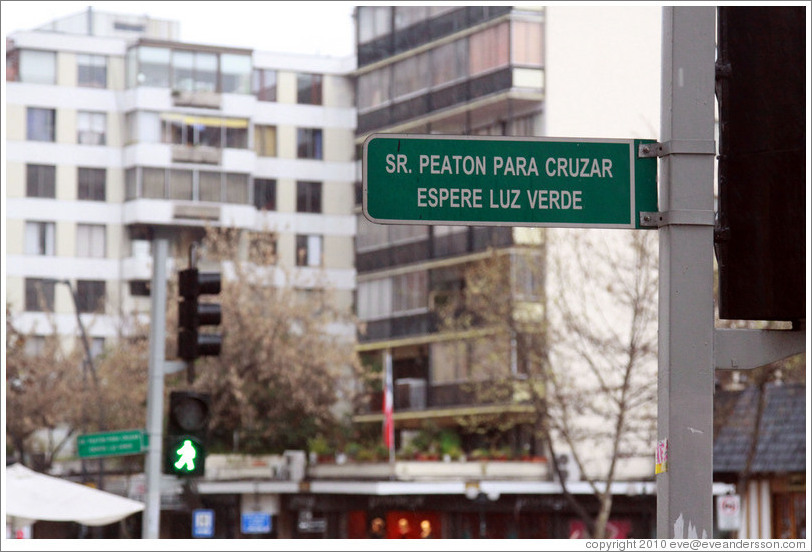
<point x="324" y="28"/>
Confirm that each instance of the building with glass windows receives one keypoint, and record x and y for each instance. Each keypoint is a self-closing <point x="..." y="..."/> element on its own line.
<point x="475" y="70"/>
<point x="115" y="129"/>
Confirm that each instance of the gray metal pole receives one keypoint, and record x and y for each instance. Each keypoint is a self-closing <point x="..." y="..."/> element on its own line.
<point x="686" y="321"/>
<point x="155" y="391"/>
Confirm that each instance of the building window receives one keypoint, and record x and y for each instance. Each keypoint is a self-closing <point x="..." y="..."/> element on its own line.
<point x="90" y="241"/>
<point x="37" y="67"/>
<point x="265" y="140"/>
<point x="39" y="295"/>
<point x="190" y="130"/>
<point x="40" y="124"/>
<point x="373" y="21"/>
<point x="235" y="72"/>
<point x="40" y="238"/>
<point x="410" y="292"/>
<point x="91" y="128"/>
<point x="488" y="49"/>
<point x="265" y="194"/>
<point x="92" y="184"/>
<point x="375" y="299"/>
<point x="449" y="62"/>
<point x="527" y="44"/>
<point x="308" y="250"/>
<point x="40" y="181"/>
<point x="265" y="84"/>
<point x="153" y="183"/>
<point x="308" y="197"/>
<point x="309" y="89"/>
<point x="237" y="188"/>
<point x="373" y="88"/>
<point x="194" y="71"/>
<point x="92" y="70"/>
<point x="411" y="75"/>
<point x="210" y="186"/>
<point x="308" y="142"/>
<point x="153" y="67"/>
<point x="90" y="295"/>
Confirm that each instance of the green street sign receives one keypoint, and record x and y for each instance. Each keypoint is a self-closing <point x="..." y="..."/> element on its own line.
<point x="507" y="181"/>
<point x="112" y="443"/>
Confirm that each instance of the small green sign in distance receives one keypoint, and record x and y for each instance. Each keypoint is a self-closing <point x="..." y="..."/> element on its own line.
<point x="111" y="443"/>
<point x="507" y="181"/>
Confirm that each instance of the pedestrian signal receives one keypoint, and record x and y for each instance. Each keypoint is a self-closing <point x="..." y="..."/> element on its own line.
<point x="185" y="442"/>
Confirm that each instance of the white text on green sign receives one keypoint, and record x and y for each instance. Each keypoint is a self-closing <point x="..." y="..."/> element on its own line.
<point x="486" y="180"/>
<point x="113" y="443"/>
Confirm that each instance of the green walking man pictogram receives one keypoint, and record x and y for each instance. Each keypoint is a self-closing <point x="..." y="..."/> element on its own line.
<point x="187" y="453"/>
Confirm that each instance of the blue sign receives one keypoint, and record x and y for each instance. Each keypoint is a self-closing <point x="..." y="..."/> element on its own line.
<point x="202" y="524"/>
<point x="256" y="522"/>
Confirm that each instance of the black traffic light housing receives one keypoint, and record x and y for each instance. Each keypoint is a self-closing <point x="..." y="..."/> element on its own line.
<point x="760" y="232"/>
<point x="186" y="434"/>
<point x="192" y="314"/>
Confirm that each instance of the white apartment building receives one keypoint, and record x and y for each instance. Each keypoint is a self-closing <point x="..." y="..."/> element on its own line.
<point x="115" y="129"/>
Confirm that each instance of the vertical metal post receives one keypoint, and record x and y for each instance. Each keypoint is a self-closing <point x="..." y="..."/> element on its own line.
<point x="155" y="391"/>
<point x="686" y="321"/>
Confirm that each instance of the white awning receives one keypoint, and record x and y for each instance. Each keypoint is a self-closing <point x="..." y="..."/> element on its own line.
<point x="32" y="496"/>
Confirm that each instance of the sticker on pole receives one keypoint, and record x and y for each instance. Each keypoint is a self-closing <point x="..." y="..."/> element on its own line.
<point x="661" y="457"/>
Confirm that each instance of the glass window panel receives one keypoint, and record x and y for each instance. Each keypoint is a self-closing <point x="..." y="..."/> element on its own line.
<point x="409" y="15"/>
<point x="309" y="143"/>
<point x="209" y="135"/>
<point x="90" y="295"/>
<point x="90" y="240"/>
<point x="237" y="137"/>
<point x="448" y="361"/>
<point x="265" y="84"/>
<point x="370" y="235"/>
<point x="38" y="67"/>
<point x="91" y="128"/>
<point x="91" y="184"/>
<point x="265" y="194"/>
<point x="40" y="124"/>
<point x="236" y="73"/>
<point x="183" y="64"/>
<point x="40" y="238"/>
<point x="205" y="73"/>
<point x="265" y="140"/>
<point x="236" y="188"/>
<point x="40" y="181"/>
<point x="527" y="43"/>
<point x="373" y="21"/>
<point x="153" y="66"/>
<point x="410" y="75"/>
<point x="488" y="49"/>
<point x="91" y="70"/>
<point x="308" y="250"/>
<point x="373" y="88"/>
<point x="131" y="183"/>
<point x="180" y="184"/>
<point x="308" y="196"/>
<point x="449" y="62"/>
<point x="39" y="295"/>
<point x="309" y="88"/>
<point x="154" y="183"/>
<point x="209" y="186"/>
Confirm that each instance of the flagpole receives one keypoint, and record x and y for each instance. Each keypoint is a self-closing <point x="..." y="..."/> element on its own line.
<point x="388" y="407"/>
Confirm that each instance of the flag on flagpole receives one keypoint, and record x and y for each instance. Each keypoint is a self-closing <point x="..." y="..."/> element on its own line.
<point x="388" y="406"/>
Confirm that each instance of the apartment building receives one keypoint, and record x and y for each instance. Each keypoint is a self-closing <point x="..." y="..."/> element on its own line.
<point x="116" y="129"/>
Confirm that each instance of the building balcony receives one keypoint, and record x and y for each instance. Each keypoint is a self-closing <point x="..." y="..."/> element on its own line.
<point x="196" y="154"/>
<point x="186" y="98"/>
<point x="476" y="102"/>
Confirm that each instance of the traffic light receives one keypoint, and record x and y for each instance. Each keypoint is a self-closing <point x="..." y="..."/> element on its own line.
<point x="192" y="314"/>
<point x="185" y="441"/>
<point x="760" y="231"/>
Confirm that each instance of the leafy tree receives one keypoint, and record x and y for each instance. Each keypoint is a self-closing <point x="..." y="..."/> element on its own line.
<point x="575" y="312"/>
<point x="287" y="363"/>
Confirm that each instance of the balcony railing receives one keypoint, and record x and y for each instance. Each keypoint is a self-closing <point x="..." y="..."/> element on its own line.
<point x="407" y="396"/>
